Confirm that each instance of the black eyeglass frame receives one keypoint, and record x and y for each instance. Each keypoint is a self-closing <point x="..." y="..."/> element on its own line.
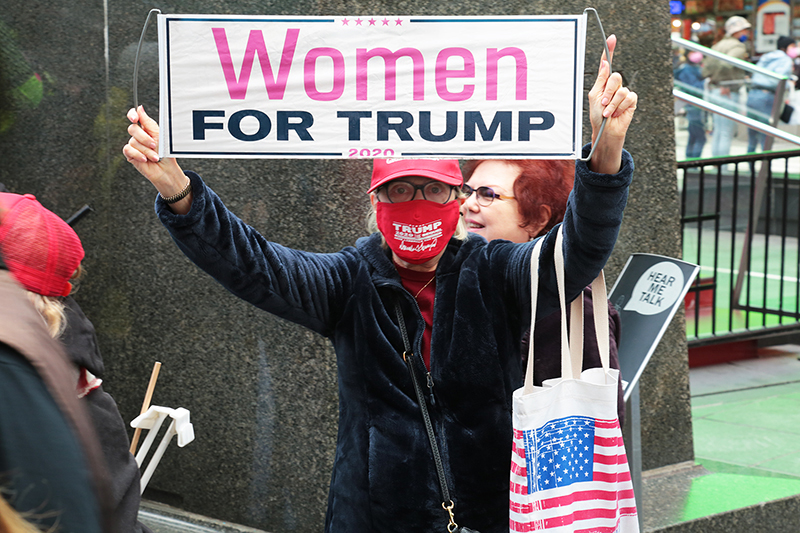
<point x="385" y="191"/>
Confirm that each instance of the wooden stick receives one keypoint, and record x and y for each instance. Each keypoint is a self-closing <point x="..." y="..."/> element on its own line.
<point x="146" y="404"/>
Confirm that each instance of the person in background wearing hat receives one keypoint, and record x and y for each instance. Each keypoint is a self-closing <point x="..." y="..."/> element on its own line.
<point x="463" y="301"/>
<point x="761" y="97"/>
<point x="690" y="81"/>
<point x="726" y="80"/>
<point x="51" y="468"/>
<point x="43" y="254"/>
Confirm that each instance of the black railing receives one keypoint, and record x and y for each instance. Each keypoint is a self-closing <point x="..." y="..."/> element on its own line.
<point x="741" y="223"/>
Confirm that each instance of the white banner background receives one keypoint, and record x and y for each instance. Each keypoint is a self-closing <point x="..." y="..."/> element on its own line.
<point x="330" y="110"/>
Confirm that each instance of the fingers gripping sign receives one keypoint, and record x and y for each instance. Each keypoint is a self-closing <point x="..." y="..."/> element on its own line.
<point x="609" y="99"/>
<point x="144" y="137"/>
<point x="142" y="152"/>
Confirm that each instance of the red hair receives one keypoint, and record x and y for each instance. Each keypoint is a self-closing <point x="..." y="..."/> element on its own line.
<point x="541" y="182"/>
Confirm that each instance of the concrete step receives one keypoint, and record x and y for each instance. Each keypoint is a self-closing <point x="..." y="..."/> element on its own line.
<point x="166" y="519"/>
<point x="667" y="497"/>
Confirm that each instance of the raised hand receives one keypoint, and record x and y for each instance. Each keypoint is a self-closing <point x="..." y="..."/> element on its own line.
<point x="608" y="98"/>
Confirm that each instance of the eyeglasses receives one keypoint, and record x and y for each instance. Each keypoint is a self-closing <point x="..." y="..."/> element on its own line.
<point x="484" y="195"/>
<point x="397" y="191"/>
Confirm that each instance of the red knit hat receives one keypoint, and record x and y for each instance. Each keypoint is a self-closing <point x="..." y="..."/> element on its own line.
<point x="444" y="170"/>
<point x="40" y="250"/>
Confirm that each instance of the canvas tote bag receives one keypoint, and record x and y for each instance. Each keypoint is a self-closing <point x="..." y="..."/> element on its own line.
<point x="569" y="471"/>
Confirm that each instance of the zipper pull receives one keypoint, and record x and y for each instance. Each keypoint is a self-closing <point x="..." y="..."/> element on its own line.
<point x="429" y="379"/>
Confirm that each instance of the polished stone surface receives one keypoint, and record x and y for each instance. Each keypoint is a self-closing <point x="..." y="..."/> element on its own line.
<point x="262" y="392"/>
<point x="670" y="504"/>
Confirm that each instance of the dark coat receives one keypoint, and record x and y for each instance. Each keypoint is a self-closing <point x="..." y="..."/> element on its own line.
<point x="383" y="475"/>
<point x="80" y="342"/>
<point x="51" y="467"/>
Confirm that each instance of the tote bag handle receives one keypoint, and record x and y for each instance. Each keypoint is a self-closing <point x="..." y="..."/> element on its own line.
<point x="572" y="344"/>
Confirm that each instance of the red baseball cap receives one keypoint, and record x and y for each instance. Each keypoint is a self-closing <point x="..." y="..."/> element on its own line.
<point x="40" y="250"/>
<point x="444" y="170"/>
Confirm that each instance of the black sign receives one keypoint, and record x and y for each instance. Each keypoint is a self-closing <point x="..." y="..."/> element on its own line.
<point x="646" y="295"/>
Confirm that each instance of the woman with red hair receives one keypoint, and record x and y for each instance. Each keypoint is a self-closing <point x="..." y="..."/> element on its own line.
<point x="531" y="197"/>
<point x="518" y="200"/>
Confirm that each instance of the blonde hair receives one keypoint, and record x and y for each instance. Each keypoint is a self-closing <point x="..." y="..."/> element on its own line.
<point x="13" y="522"/>
<point x="460" y="234"/>
<point x="51" y="308"/>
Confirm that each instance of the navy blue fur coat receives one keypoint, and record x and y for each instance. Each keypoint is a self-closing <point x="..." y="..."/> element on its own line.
<point x="383" y="475"/>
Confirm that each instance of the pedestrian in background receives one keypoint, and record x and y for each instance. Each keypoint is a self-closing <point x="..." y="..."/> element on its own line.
<point x="726" y="80"/>
<point x="690" y="80"/>
<point x="51" y="467"/>
<point x="761" y="97"/>
<point x="43" y="254"/>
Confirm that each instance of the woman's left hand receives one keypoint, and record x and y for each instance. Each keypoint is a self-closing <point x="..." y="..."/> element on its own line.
<point x="609" y="99"/>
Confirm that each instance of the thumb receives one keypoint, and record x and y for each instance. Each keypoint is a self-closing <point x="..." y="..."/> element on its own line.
<point x="602" y="78"/>
<point x="148" y="124"/>
<point x="605" y="68"/>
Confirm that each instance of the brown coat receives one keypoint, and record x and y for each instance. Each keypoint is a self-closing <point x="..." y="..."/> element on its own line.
<point x="22" y="328"/>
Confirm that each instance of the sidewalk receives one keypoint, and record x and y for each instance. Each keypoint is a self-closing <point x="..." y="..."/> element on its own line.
<point x="746" y="475"/>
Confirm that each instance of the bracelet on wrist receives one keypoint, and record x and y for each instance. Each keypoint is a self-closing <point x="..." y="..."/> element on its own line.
<point x="179" y="196"/>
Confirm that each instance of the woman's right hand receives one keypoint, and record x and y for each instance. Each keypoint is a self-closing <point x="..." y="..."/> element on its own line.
<point x="142" y="152"/>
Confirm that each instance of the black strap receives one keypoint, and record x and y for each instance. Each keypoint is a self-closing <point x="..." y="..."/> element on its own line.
<point x="408" y="357"/>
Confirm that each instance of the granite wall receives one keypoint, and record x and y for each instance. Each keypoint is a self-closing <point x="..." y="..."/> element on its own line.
<point x="262" y="392"/>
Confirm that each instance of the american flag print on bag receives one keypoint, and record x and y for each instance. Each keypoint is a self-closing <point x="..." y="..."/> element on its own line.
<point x="571" y="474"/>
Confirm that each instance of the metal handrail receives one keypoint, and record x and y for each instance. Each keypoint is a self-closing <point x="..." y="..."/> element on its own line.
<point x="740" y="63"/>
<point x="761" y="181"/>
<point x="711" y="208"/>
<point x="733" y="115"/>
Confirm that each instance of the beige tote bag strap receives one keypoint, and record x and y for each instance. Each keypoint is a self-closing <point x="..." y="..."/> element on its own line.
<point x="537" y="249"/>
<point x="600" y="311"/>
<point x="576" y="313"/>
<point x="571" y="344"/>
<point x="572" y="368"/>
<point x="567" y="365"/>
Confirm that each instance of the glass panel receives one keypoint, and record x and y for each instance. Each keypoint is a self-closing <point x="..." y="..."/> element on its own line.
<point x="749" y="94"/>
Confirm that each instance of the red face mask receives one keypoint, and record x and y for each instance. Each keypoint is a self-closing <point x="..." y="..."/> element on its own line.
<point x="418" y="230"/>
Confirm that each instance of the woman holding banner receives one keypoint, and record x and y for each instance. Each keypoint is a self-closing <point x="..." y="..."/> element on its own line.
<point x="462" y="301"/>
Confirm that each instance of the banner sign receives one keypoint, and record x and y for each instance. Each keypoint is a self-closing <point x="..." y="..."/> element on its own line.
<point x="647" y="294"/>
<point x="371" y="86"/>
